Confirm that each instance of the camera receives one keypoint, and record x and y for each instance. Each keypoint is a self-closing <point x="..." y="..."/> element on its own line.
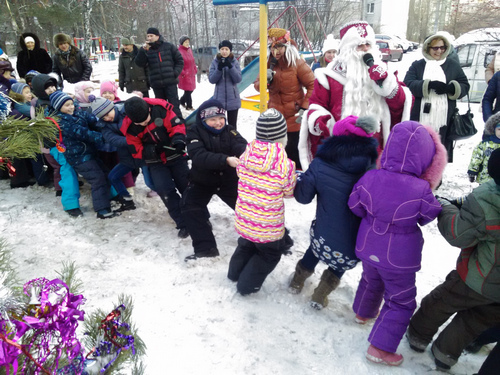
<point x="427" y="107"/>
<point x="223" y="60"/>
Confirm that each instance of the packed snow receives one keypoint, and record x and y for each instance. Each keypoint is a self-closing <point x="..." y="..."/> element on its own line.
<point x="189" y="315"/>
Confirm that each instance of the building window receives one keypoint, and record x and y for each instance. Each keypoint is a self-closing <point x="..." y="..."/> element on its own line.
<point x="370" y="7"/>
<point x="213" y="31"/>
<point x="235" y="13"/>
<point x="214" y="14"/>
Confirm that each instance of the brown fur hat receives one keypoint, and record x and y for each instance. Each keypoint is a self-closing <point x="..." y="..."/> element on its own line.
<point x="61" y="38"/>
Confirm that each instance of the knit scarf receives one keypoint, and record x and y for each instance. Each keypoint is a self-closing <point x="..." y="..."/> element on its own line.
<point x="438" y="115"/>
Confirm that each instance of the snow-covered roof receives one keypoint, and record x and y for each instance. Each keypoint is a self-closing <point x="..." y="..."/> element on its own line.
<point x="490" y="34"/>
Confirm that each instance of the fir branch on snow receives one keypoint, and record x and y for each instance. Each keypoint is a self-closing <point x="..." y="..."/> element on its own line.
<point x="68" y="275"/>
<point x="95" y="337"/>
<point x="7" y="266"/>
<point x="22" y="138"/>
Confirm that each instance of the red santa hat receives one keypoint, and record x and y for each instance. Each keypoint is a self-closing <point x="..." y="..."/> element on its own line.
<point x="355" y="33"/>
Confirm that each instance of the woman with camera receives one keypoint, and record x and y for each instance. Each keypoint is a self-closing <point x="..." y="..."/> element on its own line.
<point x="225" y="73"/>
<point x="436" y="82"/>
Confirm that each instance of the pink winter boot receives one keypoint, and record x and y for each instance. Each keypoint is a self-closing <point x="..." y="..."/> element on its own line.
<point x="381" y="356"/>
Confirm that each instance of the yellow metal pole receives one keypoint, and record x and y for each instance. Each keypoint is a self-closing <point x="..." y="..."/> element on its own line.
<point x="263" y="55"/>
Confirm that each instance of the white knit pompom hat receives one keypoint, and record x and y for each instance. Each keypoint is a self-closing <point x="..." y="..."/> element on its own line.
<point x="330" y="44"/>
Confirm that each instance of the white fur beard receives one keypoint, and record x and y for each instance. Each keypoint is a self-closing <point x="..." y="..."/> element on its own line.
<point x="359" y="99"/>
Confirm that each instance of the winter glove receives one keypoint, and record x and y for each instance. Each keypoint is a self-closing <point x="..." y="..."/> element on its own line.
<point x="221" y="64"/>
<point x="270" y="76"/>
<point x="472" y="177"/>
<point x="459" y="201"/>
<point x="450" y="89"/>
<point x="443" y="201"/>
<point x="378" y="73"/>
<point x="438" y="86"/>
<point x="179" y="148"/>
<point x="228" y="62"/>
<point x="299" y="115"/>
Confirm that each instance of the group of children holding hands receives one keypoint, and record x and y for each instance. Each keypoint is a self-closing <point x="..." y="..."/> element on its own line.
<point x="364" y="212"/>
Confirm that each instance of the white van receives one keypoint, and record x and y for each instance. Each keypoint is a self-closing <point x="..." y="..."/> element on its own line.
<point x="475" y="50"/>
<point x="474" y="58"/>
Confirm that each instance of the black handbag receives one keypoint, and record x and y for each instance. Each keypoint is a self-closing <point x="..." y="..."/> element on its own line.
<point x="461" y="126"/>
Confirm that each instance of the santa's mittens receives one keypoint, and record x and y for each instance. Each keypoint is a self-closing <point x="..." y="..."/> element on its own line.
<point x="378" y="73"/>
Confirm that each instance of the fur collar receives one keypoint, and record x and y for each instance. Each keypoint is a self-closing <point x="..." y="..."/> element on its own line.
<point x="490" y="124"/>
<point x="348" y="147"/>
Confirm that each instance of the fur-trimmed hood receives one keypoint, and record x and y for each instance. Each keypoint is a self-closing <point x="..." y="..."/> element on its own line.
<point x="489" y="126"/>
<point x="23" y="44"/>
<point x="415" y="149"/>
<point x="351" y="150"/>
<point x="428" y="41"/>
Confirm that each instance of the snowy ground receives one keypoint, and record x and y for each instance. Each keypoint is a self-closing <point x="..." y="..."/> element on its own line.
<point x="190" y="317"/>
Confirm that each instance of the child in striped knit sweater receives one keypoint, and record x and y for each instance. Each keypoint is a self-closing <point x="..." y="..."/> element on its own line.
<point x="266" y="176"/>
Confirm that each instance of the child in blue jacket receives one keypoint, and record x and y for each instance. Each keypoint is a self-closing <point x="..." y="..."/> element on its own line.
<point x="81" y="144"/>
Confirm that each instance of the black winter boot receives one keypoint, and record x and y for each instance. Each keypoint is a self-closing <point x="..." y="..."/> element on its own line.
<point x="126" y="204"/>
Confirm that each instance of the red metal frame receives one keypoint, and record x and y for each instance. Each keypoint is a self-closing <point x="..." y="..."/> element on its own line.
<point x="93" y="38"/>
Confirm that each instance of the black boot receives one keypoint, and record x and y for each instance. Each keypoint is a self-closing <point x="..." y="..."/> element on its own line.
<point x="126" y="204"/>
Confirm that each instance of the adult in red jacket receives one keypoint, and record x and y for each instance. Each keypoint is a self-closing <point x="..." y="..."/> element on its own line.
<point x="187" y="79"/>
<point x="156" y="135"/>
<point x="351" y="86"/>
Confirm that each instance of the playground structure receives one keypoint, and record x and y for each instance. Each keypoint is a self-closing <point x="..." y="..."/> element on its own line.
<point x="251" y="71"/>
<point x="96" y="54"/>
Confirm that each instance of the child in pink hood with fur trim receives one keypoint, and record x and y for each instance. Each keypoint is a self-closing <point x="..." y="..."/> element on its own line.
<point x="109" y="90"/>
<point x="392" y="202"/>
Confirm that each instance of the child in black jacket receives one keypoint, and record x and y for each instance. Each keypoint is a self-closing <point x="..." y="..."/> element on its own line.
<point x="214" y="148"/>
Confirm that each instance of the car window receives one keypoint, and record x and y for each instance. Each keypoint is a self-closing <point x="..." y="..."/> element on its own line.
<point x="382" y="45"/>
<point x="466" y="54"/>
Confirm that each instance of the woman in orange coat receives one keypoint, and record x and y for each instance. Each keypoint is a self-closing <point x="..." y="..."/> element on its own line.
<point x="287" y="77"/>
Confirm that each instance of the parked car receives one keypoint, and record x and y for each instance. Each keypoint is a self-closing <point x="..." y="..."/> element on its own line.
<point x="405" y="46"/>
<point x="389" y="50"/>
<point x="416" y="45"/>
<point x="203" y="57"/>
<point x="474" y="57"/>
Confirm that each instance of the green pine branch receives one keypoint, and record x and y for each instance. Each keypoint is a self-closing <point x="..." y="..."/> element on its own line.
<point x="93" y="336"/>
<point x="22" y="138"/>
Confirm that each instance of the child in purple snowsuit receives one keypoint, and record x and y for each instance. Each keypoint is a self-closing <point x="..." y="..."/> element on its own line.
<point x="392" y="202"/>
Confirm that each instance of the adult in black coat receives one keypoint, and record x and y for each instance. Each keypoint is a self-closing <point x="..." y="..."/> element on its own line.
<point x="69" y="61"/>
<point x="32" y="56"/>
<point x="165" y="64"/>
<point x="214" y="148"/>
<point x="436" y="82"/>
<point x="132" y="76"/>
